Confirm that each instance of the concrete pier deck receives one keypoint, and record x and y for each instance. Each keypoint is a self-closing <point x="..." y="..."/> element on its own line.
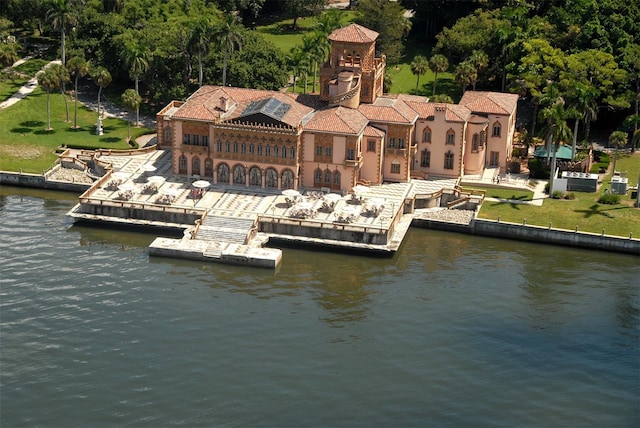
<point x="255" y="215"/>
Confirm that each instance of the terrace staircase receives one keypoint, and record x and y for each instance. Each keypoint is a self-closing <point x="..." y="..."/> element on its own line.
<point x="226" y="229"/>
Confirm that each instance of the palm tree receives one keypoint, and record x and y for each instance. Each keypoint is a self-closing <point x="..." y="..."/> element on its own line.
<point x="582" y="100"/>
<point x="556" y="131"/>
<point x="200" y="43"/>
<point x="77" y="67"/>
<point x="62" y="77"/>
<point x="131" y="100"/>
<point x="298" y="61"/>
<point x="48" y="79"/>
<point x="438" y="64"/>
<point x="480" y="61"/>
<point x="63" y="14"/>
<point x="465" y="74"/>
<point x="8" y="53"/>
<point x="617" y="139"/>
<point x="313" y="44"/>
<point x="229" y="36"/>
<point x="102" y="77"/>
<point x="419" y="66"/>
<point x="137" y="59"/>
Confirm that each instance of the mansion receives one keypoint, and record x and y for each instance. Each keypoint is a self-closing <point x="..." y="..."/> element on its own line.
<point x="350" y="133"/>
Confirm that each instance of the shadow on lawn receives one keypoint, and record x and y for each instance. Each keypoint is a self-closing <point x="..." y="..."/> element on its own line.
<point x="595" y="210"/>
<point x="27" y="126"/>
<point x="110" y="140"/>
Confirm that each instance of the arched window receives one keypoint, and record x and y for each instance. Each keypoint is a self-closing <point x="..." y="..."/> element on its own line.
<point x="208" y="167"/>
<point x="327" y="177"/>
<point x="497" y="128"/>
<point x="317" y="176"/>
<point x="284" y="152"/>
<point x="255" y="176"/>
<point x="182" y="165"/>
<point x="271" y="177"/>
<point x="448" y="160"/>
<point x="336" y="178"/>
<point x="239" y="175"/>
<point x="223" y="173"/>
<point x="475" y="142"/>
<point x="451" y="137"/>
<point x="275" y="151"/>
<point x="287" y="179"/>
<point x="426" y="135"/>
<point x="483" y="136"/>
<point x="425" y="158"/>
<point x="168" y="134"/>
<point x="195" y="165"/>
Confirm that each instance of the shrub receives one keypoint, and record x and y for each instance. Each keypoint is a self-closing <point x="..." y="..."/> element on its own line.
<point x="557" y="195"/>
<point x="570" y="196"/>
<point x="609" y="199"/>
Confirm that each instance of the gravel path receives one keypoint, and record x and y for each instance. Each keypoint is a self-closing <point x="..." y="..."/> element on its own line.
<point x="70" y="175"/>
<point x="450" y="216"/>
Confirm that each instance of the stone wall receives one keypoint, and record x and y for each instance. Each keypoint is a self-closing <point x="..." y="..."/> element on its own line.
<point x="540" y="234"/>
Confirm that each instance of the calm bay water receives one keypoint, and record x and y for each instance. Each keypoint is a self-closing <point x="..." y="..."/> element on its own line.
<point x="454" y="330"/>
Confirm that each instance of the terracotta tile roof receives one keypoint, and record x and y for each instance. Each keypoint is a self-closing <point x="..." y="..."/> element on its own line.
<point x="204" y="104"/>
<point x="353" y="33"/>
<point x="339" y="120"/>
<point x="372" y="131"/>
<point x="389" y="109"/>
<point x="490" y="102"/>
<point x="453" y="112"/>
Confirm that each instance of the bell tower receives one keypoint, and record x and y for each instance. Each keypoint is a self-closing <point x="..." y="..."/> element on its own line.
<point x="353" y="74"/>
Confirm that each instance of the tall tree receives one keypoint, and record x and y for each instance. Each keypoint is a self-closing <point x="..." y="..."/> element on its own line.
<point x="419" y="66"/>
<point x="300" y="8"/>
<point x="313" y="45"/>
<point x="62" y="77"/>
<point x="136" y="58"/>
<point x="78" y="67"/>
<point x="465" y="74"/>
<point x="298" y="61"/>
<point x="8" y="53"/>
<point x="131" y="100"/>
<point x="582" y="98"/>
<point x="63" y="14"/>
<point x="540" y="64"/>
<point x="617" y="139"/>
<point x="480" y="61"/>
<point x="200" y="42"/>
<point x="229" y="37"/>
<point x="387" y="18"/>
<point x="555" y="131"/>
<point x="631" y="63"/>
<point x="102" y="77"/>
<point x="438" y="64"/>
<point x="49" y="81"/>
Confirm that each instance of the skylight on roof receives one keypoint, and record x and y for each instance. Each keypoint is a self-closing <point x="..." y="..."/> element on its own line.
<point x="269" y="106"/>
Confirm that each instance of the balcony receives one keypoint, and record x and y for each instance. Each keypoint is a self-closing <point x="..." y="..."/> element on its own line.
<point x="353" y="163"/>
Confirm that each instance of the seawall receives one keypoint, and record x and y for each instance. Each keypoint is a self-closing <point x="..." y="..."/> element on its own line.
<point x="39" y="181"/>
<point x="545" y="235"/>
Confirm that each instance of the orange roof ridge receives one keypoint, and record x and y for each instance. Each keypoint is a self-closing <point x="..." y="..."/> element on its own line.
<point x="353" y="33"/>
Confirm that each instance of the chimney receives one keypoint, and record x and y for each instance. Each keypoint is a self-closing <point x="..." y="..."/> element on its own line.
<point x="224" y="104"/>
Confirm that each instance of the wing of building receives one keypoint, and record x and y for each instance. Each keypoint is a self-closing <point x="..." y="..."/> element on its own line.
<point x="347" y="134"/>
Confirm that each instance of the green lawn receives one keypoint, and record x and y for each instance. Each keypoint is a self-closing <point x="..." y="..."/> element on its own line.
<point x="502" y="193"/>
<point x="584" y="211"/>
<point x="26" y="145"/>
<point x="8" y="86"/>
